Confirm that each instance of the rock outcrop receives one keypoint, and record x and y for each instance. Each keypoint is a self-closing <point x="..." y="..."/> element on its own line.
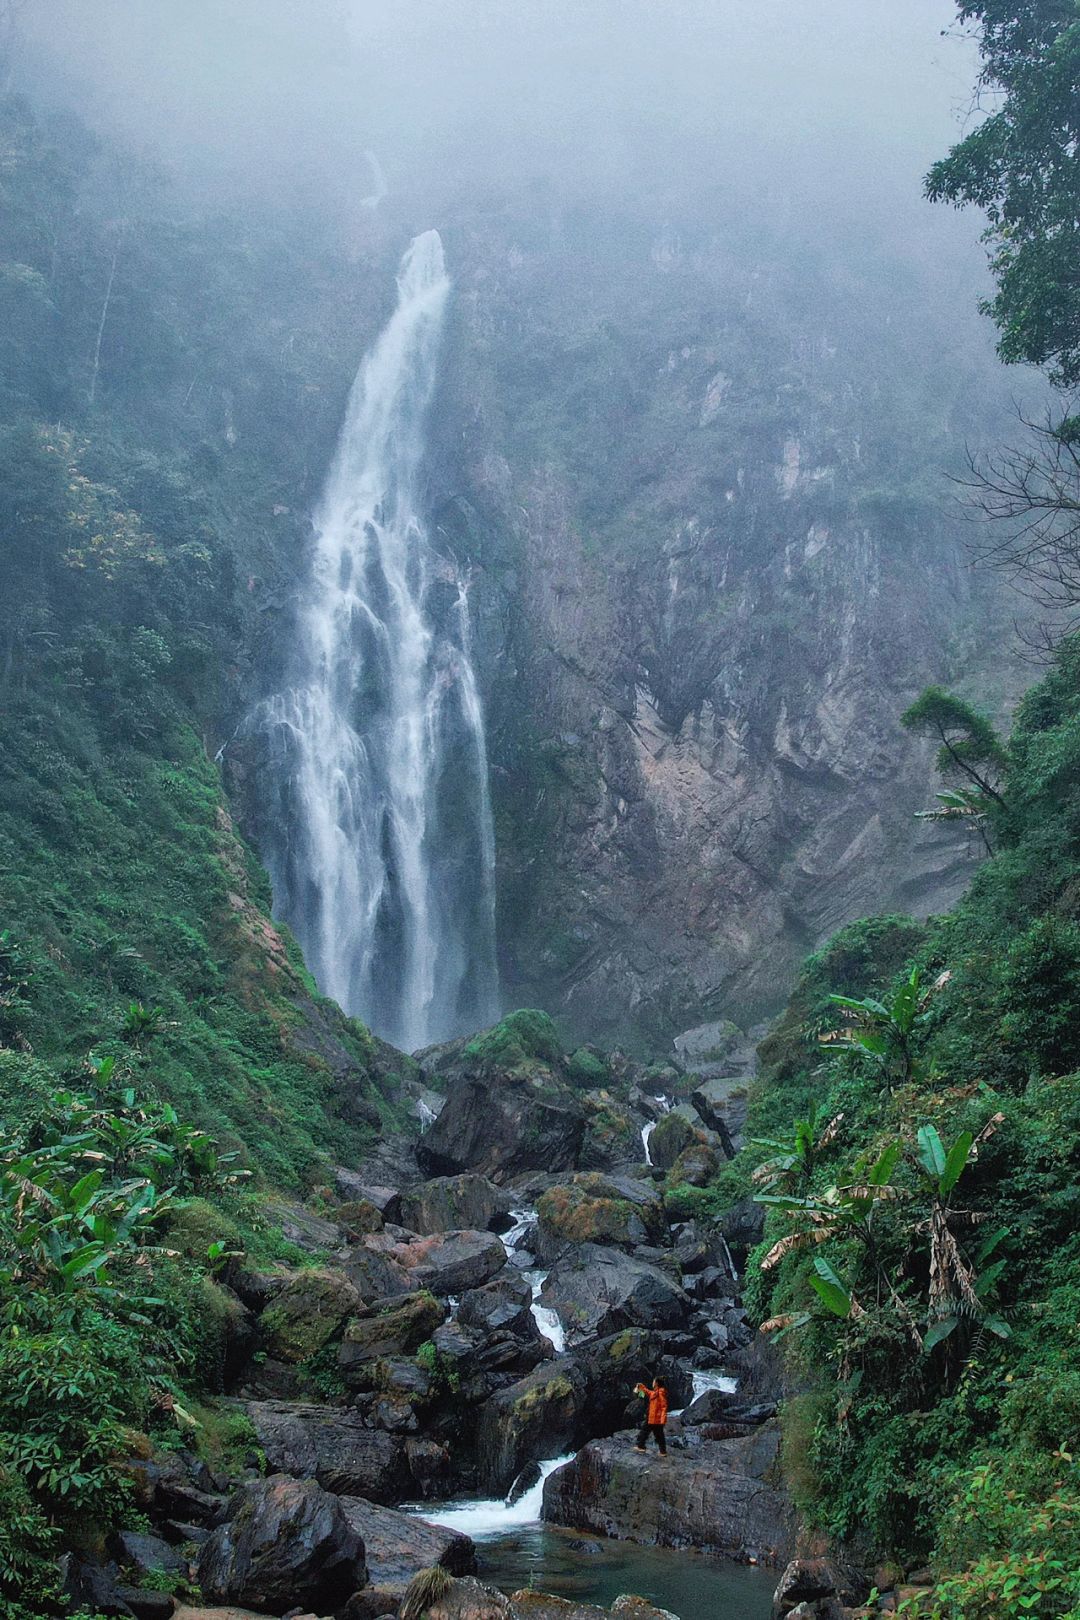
<point x="398" y="1544"/>
<point x="504" y="1130"/>
<point x="333" y="1446"/>
<point x="287" y="1542"/>
<point x="723" y="1496"/>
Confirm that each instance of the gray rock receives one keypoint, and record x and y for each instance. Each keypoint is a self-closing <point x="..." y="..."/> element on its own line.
<point x="453" y="1204"/>
<point x="397" y="1545"/>
<point x="722" y="1496"/>
<point x="600" y="1291"/>
<point x="287" y="1542"/>
<point x="502" y="1129"/>
<point x="333" y="1446"/>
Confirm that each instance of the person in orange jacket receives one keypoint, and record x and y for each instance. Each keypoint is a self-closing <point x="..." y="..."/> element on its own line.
<point x="655" y="1414"/>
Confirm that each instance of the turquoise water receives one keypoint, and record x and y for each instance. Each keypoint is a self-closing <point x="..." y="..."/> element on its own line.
<point x="591" y="1569"/>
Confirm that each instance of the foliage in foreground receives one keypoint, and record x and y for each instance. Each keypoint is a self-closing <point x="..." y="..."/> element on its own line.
<point x="922" y="1241"/>
<point x="104" y="1325"/>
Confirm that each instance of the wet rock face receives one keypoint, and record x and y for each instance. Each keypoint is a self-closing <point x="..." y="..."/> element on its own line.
<point x="453" y="1204"/>
<point x="601" y="1291"/>
<point x="287" y="1543"/>
<point x="397" y="1544"/>
<point x="503" y="1127"/>
<point x="334" y="1447"/>
<point x="723" y="1496"/>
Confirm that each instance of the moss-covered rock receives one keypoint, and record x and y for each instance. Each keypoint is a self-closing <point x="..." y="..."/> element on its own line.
<point x="397" y="1329"/>
<point x="307" y="1313"/>
<point x="673" y="1133"/>
<point x="593" y="1209"/>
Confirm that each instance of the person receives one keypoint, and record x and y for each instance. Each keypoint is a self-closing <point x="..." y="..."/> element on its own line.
<point x="655" y="1414"/>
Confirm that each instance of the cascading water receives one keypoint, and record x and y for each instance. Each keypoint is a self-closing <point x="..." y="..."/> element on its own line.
<point x="379" y="838"/>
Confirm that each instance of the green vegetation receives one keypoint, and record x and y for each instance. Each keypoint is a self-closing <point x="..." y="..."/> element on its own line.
<point x="921" y="1237"/>
<point x="1019" y="166"/>
<point x="104" y="1326"/>
<point x="519" y="1039"/>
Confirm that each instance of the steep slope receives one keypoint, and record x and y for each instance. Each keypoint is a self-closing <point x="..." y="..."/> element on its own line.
<point x="701" y="473"/>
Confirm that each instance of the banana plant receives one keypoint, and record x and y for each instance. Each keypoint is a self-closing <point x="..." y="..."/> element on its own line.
<point x="887" y="1031"/>
<point x="793" y="1163"/>
<point x="959" y="1290"/>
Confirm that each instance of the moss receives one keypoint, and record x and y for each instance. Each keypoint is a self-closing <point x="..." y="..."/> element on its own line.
<point x="517" y="1038"/>
<point x="586" y="1068"/>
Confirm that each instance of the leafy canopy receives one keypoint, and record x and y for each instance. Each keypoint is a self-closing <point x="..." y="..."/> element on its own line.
<point x="1020" y="166"/>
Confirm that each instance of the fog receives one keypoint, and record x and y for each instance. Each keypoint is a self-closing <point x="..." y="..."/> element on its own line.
<point x="830" y="108"/>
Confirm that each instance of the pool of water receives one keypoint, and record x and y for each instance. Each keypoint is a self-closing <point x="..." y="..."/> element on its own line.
<point x="591" y="1569"/>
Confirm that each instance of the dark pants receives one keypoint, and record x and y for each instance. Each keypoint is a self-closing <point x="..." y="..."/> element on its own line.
<point x="657" y="1432"/>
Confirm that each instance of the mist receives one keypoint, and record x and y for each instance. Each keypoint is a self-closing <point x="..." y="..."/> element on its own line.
<point x="824" y="110"/>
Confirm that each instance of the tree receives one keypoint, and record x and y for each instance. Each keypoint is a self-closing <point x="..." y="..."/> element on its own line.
<point x="970" y="752"/>
<point x="1020" y="165"/>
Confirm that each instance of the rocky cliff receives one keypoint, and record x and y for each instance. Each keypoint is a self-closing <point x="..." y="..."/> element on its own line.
<point x="702" y="484"/>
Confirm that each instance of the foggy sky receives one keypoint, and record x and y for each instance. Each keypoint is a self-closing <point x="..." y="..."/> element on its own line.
<point x="842" y="103"/>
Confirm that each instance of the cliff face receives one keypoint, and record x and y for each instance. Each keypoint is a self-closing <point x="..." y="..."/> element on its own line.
<point x="713" y="561"/>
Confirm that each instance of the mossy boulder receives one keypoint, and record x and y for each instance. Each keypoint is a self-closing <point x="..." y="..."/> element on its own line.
<point x="360" y="1217"/>
<point x="696" y="1166"/>
<point x="453" y="1204"/>
<point x="673" y="1133"/>
<point x="307" y="1313"/>
<point x="521" y="1037"/>
<point x="591" y="1208"/>
<point x="532" y="1419"/>
<point x="396" y="1329"/>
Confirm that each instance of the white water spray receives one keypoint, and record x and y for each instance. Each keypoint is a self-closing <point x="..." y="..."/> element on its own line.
<point x="379" y="837"/>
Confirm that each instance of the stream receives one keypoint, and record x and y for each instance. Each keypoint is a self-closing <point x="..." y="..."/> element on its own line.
<point x="516" y="1550"/>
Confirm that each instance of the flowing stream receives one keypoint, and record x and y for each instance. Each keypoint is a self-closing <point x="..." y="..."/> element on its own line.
<point x="546" y="1320"/>
<point x="379" y="838"/>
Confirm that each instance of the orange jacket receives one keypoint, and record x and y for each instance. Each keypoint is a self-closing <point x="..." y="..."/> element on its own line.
<point x="658" y="1403"/>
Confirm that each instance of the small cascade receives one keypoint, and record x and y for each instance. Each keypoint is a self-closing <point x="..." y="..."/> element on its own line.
<point x="702" y="1381"/>
<point x="664" y="1105"/>
<point x="546" y="1319"/>
<point x="732" y="1267"/>
<point x="426" y="1115"/>
<point x="482" y="1520"/>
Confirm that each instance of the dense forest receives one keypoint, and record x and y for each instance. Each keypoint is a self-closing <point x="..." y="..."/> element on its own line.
<point x="255" y="1263"/>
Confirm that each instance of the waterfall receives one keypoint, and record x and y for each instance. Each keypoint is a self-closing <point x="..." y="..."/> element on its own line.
<point x="378" y="832"/>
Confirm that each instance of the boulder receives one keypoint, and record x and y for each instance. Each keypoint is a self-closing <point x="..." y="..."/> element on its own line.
<point x="502" y="1306"/>
<point x="722" y="1496"/>
<point x="721" y="1103"/>
<point x="565" y="1401"/>
<point x="818" y="1582"/>
<point x="302" y="1227"/>
<point x="672" y="1134"/>
<point x="306" y="1313"/>
<point x="598" y="1209"/>
<point x="354" y="1187"/>
<point x="504" y="1129"/>
<point x="398" y="1545"/>
<point x="331" y="1445"/>
<point x="396" y="1329"/>
<point x="145" y="1554"/>
<point x="469" y="1600"/>
<point x="359" y="1217"/>
<point x="696" y="1165"/>
<point x="598" y="1291"/>
<point x="536" y="1417"/>
<point x="287" y="1543"/>
<point x="393" y="1262"/>
<point x="454" y="1204"/>
<point x="742" y="1226"/>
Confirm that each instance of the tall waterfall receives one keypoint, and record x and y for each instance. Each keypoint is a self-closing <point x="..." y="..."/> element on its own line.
<point x="379" y="841"/>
